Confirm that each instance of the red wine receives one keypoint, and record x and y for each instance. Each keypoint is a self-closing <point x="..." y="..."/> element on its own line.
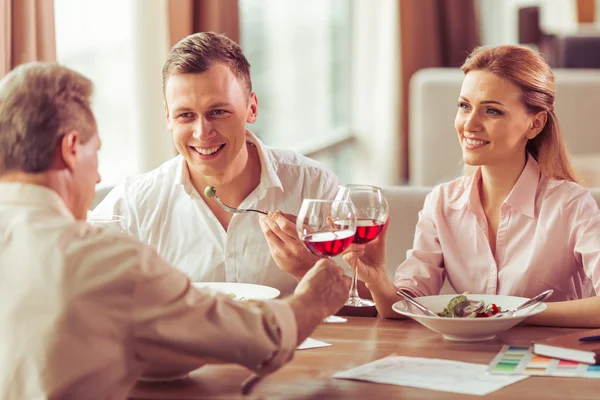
<point x="367" y="230"/>
<point x="328" y="244"/>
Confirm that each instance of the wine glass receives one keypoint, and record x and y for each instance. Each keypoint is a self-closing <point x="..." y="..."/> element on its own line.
<point x="114" y="223"/>
<point x="371" y="214"/>
<point x="327" y="228"/>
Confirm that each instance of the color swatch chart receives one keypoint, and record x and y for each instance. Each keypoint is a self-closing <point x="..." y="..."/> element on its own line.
<point x="515" y="360"/>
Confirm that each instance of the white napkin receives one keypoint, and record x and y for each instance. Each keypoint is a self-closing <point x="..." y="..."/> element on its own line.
<point x="310" y="343"/>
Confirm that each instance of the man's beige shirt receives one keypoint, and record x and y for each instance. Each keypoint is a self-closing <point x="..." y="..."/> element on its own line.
<point x="84" y="312"/>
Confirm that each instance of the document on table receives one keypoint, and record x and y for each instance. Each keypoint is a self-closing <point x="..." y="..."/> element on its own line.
<point x="310" y="343"/>
<point x="429" y="373"/>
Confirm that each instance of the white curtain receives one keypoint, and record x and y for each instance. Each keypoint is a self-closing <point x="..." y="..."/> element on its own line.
<point x="150" y="45"/>
<point x="376" y="92"/>
<point x="121" y="46"/>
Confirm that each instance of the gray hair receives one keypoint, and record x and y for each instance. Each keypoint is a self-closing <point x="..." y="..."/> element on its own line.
<point x="39" y="103"/>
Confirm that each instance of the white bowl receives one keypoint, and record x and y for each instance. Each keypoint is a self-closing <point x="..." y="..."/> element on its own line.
<point x="242" y="291"/>
<point x="468" y="329"/>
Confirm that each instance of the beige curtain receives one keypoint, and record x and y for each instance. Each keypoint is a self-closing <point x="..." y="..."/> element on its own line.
<point x="191" y="16"/>
<point x="26" y="32"/>
<point x="433" y="33"/>
<point x="586" y="11"/>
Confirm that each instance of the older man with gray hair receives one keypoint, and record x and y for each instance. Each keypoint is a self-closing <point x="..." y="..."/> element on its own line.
<point x="83" y="310"/>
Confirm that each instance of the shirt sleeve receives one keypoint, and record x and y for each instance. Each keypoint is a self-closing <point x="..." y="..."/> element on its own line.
<point x="116" y="203"/>
<point x="328" y="184"/>
<point x="177" y="324"/>
<point x="583" y="219"/>
<point x="423" y="272"/>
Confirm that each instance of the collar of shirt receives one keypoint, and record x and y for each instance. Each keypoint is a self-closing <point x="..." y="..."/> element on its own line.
<point x="521" y="198"/>
<point x="268" y="176"/>
<point x="26" y="194"/>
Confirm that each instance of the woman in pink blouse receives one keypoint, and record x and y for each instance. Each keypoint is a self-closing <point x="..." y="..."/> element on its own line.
<point x="517" y="224"/>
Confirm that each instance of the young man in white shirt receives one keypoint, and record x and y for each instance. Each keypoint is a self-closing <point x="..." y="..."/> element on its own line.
<point x="85" y="312"/>
<point x="208" y="102"/>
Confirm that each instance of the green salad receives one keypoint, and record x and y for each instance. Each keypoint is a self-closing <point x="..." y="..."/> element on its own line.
<point x="461" y="307"/>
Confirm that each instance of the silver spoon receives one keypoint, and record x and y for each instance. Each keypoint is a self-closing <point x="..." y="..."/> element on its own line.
<point x="415" y="303"/>
<point x="531" y="302"/>
<point x="210" y="191"/>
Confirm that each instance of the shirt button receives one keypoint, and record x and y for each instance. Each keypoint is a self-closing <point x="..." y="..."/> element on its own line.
<point x="493" y="272"/>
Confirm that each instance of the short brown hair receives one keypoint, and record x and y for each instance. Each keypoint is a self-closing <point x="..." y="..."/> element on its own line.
<point x="527" y="70"/>
<point x="198" y="52"/>
<point x="39" y="103"/>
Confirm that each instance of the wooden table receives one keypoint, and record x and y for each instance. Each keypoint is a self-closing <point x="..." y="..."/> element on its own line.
<point x="362" y="340"/>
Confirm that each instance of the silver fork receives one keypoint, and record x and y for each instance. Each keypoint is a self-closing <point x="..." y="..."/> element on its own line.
<point x="210" y="191"/>
<point x="531" y="302"/>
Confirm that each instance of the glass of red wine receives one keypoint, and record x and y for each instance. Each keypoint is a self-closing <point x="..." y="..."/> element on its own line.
<point x="371" y="214"/>
<point x="327" y="228"/>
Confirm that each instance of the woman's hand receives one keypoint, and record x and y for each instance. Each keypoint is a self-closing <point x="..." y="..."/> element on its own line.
<point x="369" y="259"/>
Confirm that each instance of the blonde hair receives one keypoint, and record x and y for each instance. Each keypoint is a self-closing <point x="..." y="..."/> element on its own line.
<point x="39" y="103"/>
<point x="528" y="71"/>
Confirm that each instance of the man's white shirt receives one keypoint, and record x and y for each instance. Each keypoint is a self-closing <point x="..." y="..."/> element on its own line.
<point x="163" y="209"/>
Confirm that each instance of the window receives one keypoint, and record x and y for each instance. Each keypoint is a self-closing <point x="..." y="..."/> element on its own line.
<point x="300" y="56"/>
<point x="120" y="46"/>
<point x="84" y="44"/>
<point x="499" y="19"/>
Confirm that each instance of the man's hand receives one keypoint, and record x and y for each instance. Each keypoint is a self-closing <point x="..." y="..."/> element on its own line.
<point x="321" y="292"/>
<point x="326" y="285"/>
<point x="286" y="248"/>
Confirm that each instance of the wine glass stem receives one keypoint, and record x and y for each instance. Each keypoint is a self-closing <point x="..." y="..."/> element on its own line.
<point x="354" y="285"/>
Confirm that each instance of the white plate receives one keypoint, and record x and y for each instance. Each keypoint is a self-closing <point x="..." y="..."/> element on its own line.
<point x="242" y="291"/>
<point x="468" y="329"/>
